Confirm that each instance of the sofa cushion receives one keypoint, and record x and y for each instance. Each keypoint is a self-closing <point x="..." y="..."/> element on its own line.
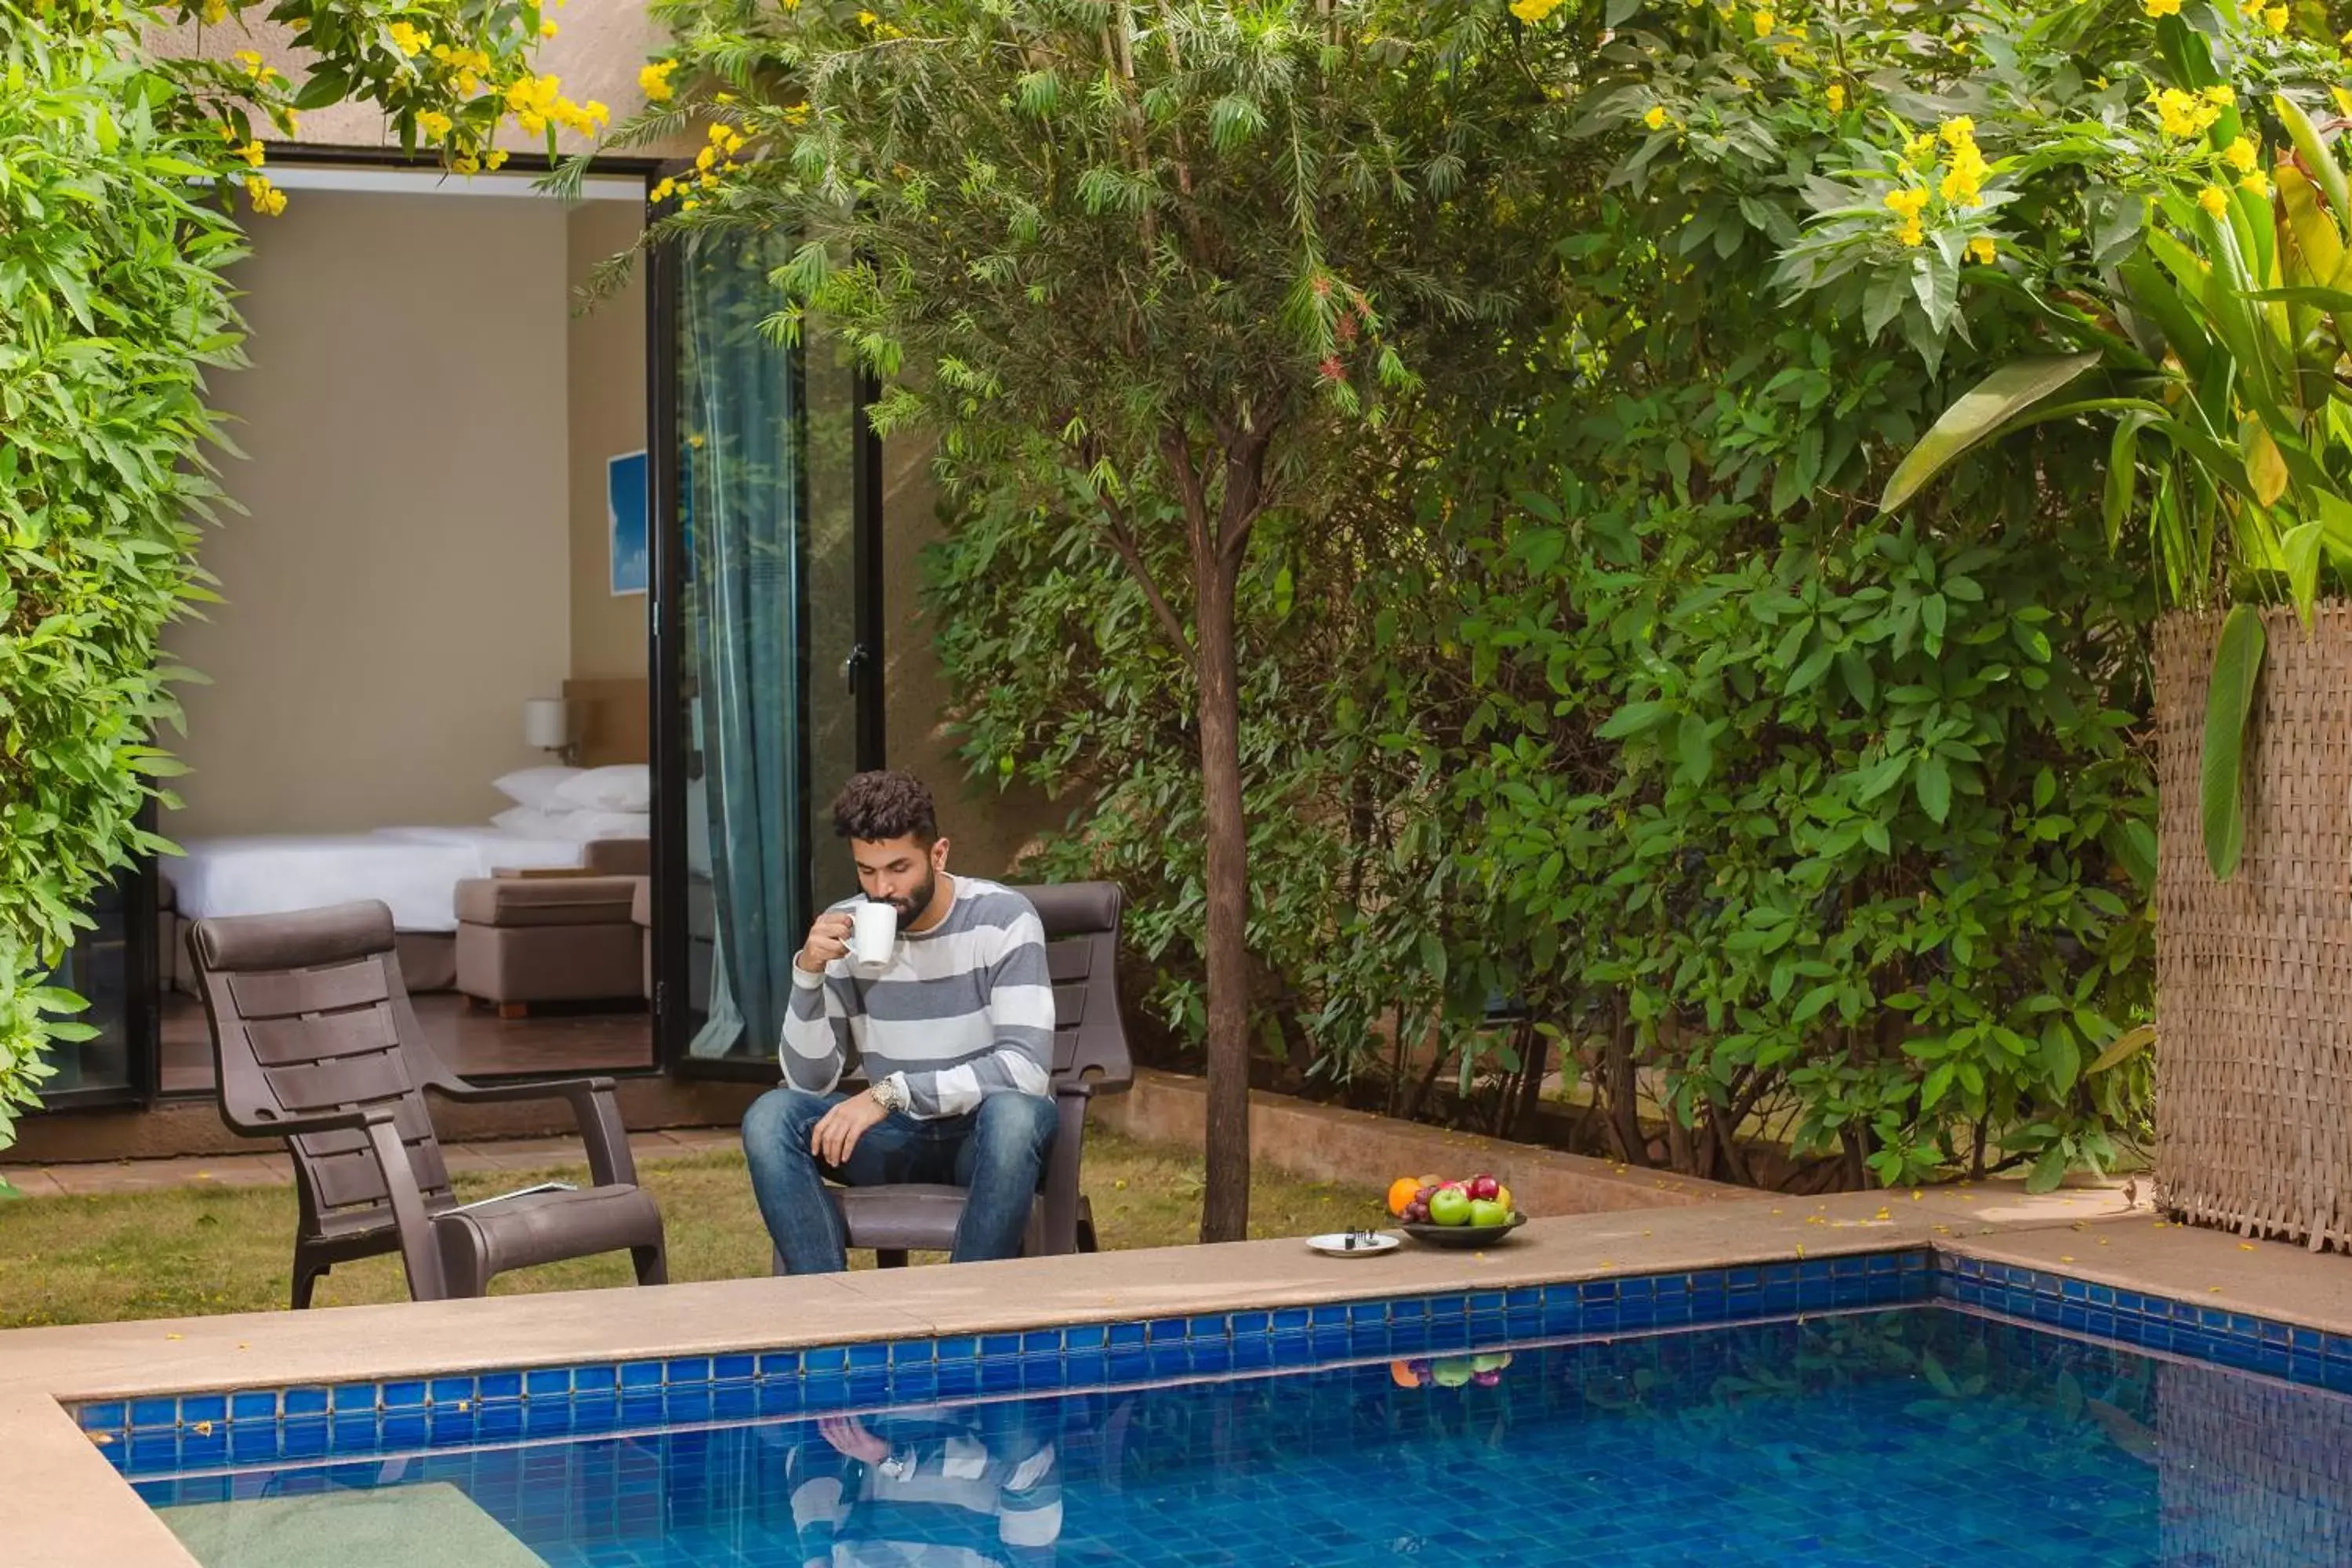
<point x="545" y="900"/>
<point x="641" y="902"/>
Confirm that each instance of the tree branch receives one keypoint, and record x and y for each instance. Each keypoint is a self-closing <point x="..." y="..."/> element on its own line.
<point x="1122" y="539"/>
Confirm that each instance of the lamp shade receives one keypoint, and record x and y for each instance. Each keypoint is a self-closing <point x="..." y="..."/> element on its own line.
<point x="546" y="721"/>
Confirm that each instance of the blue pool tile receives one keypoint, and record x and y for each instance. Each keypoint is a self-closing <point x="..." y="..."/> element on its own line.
<point x="253" y="1445"/>
<point x="111" y="1417"/>
<point x="303" y="1438"/>
<point x="996" y="1346"/>
<point x="147" y="1414"/>
<point x="547" y="1383"/>
<point x="639" y="1376"/>
<point x="688" y="1370"/>
<point x="1247" y="1325"/>
<point x="406" y="1394"/>
<point x="209" y="1409"/>
<point x="1133" y="1336"/>
<point x="496" y="1385"/>
<point x="904" y="1353"/>
<point x="406" y="1430"/>
<point x="595" y="1377"/>
<point x="957" y="1378"/>
<point x="734" y="1368"/>
<point x="452" y="1391"/>
<point x="1042" y="1342"/>
<point x="305" y="1401"/>
<point x="966" y="1347"/>
<point x="776" y="1364"/>
<point x="1167" y="1331"/>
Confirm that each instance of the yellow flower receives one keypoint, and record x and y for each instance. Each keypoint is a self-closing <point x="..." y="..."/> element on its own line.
<point x="2343" y="100"/>
<point x="493" y="158"/>
<point x="2220" y="95"/>
<point x="433" y="123"/>
<point x="408" y="39"/>
<point x="250" y="59"/>
<point x="1906" y="202"/>
<point x="2275" y="19"/>
<point x="688" y="205"/>
<point x="661" y="193"/>
<point x="2257" y="185"/>
<point x="866" y="18"/>
<point x="252" y="154"/>
<point x="1656" y="119"/>
<point x="466" y="163"/>
<point x="708" y="157"/>
<point x="1957" y="131"/>
<point x="2214" y="200"/>
<point x="1764" y="23"/>
<point x="2161" y="8"/>
<point x="797" y="114"/>
<point x="215" y="12"/>
<point x="1911" y="233"/>
<point x="1533" y="11"/>
<point x="654" y="82"/>
<point x="709" y="181"/>
<point x="2184" y="114"/>
<point x="1982" y="250"/>
<point x="1835" y="93"/>
<point x="266" y="199"/>
<point x="548" y="29"/>
<point x="1963" y="184"/>
<point x="2240" y="154"/>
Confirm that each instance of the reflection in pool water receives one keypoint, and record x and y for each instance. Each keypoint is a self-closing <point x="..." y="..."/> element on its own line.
<point x="1916" y="1436"/>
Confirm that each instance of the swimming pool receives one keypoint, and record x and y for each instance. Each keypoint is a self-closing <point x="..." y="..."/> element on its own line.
<point x="1861" y="1410"/>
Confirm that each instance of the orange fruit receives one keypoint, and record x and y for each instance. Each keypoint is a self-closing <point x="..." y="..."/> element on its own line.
<point x="1401" y="1192"/>
<point x="1401" y="1373"/>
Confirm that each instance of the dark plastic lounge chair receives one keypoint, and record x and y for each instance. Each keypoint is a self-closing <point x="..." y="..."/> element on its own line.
<point x="314" y="1041"/>
<point x="1090" y="1058"/>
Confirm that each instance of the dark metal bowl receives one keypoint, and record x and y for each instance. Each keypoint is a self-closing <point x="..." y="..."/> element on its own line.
<point x="1465" y="1235"/>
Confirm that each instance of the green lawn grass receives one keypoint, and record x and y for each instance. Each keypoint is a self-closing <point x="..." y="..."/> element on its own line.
<point x="229" y="1249"/>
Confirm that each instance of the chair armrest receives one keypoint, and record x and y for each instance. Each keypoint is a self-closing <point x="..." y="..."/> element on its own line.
<point x="301" y="1126"/>
<point x="610" y="1163"/>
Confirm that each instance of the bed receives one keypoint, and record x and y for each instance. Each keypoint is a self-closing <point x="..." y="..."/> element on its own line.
<point x="415" y="871"/>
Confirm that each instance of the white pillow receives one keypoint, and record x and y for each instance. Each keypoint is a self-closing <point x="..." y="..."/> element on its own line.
<point x="624" y="787"/>
<point x="574" y="827"/>
<point x="535" y="787"/>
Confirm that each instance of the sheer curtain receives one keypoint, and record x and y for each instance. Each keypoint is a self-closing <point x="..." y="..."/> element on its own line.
<point x="745" y="500"/>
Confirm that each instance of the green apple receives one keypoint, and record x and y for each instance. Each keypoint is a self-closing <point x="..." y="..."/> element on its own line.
<point x="1450" y="1205"/>
<point x="1452" y="1372"/>
<point x="1492" y="1361"/>
<point x="1486" y="1211"/>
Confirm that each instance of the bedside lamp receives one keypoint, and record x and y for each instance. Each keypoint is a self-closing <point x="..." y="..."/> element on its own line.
<point x="547" y="724"/>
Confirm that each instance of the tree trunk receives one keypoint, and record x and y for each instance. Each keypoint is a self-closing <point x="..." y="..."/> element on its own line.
<point x="1224" y="1211"/>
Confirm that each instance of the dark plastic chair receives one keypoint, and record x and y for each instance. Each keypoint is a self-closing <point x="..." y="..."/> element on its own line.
<point x="1090" y="1058"/>
<point x="314" y="1041"/>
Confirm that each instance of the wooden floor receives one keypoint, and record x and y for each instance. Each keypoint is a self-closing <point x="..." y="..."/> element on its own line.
<point x="473" y="1040"/>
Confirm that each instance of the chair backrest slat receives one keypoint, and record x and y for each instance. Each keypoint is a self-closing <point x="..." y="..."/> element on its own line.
<point x="344" y="1081"/>
<point x="328" y="1036"/>
<point x="300" y="992"/>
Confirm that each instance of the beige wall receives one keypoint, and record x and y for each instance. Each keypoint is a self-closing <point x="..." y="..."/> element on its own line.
<point x="398" y="588"/>
<point x="607" y="401"/>
<point x="987" y="828"/>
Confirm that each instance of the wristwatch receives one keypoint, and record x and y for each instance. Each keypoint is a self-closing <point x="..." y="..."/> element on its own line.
<point x="889" y="1093"/>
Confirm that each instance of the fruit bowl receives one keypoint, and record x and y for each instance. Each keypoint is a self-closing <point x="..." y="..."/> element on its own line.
<point x="1465" y="1235"/>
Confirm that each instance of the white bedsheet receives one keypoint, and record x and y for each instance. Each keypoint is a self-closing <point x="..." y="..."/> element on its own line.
<point x="415" y="871"/>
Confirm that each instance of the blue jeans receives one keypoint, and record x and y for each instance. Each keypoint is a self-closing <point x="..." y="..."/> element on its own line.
<point x="996" y="1152"/>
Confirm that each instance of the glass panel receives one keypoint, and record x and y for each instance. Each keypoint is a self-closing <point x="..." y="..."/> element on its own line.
<point x="829" y="578"/>
<point x="98" y="968"/>
<point x="767" y="476"/>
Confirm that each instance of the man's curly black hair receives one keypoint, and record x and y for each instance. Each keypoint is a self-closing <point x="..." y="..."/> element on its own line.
<point x="885" y="804"/>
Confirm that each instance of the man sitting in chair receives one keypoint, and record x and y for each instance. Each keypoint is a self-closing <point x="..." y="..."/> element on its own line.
<point x="955" y="1030"/>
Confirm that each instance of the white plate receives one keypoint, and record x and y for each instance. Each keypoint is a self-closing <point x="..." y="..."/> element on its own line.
<point x="1367" y="1241"/>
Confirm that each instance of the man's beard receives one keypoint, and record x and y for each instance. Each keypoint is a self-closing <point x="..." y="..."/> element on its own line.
<point x="912" y="906"/>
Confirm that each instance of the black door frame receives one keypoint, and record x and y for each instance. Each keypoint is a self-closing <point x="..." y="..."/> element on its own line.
<point x="674" y="1022"/>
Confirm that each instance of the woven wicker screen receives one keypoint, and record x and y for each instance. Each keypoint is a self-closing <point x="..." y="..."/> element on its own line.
<point x="2249" y="1471"/>
<point x="2254" y="977"/>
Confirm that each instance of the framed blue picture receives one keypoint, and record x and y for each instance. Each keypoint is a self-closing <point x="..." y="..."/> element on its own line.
<point x="627" y="499"/>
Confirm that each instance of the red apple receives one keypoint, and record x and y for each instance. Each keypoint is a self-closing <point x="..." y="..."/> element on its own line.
<point x="1485" y="1187"/>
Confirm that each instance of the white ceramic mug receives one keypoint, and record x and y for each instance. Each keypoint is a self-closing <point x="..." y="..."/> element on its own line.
<point x="873" y="927"/>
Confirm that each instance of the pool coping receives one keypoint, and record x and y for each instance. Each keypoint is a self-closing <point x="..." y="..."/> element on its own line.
<point x="70" y="1504"/>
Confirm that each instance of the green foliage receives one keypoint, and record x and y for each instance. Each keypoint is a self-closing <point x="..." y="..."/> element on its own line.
<point x="1612" y="693"/>
<point x="116" y="170"/>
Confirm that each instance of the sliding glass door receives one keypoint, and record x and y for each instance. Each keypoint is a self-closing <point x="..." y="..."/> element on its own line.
<point x="768" y="686"/>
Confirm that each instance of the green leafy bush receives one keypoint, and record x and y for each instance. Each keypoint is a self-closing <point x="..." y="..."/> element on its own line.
<point x="118" y="174"/>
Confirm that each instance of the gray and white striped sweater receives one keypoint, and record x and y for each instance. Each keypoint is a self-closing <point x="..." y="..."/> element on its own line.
<point x="962" y="1011"/>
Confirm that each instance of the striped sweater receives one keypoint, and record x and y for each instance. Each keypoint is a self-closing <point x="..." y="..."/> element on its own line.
<point x="962" y="1011"/>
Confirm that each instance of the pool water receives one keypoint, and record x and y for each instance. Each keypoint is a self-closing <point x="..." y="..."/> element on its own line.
<point x="1916" y="1436"/>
